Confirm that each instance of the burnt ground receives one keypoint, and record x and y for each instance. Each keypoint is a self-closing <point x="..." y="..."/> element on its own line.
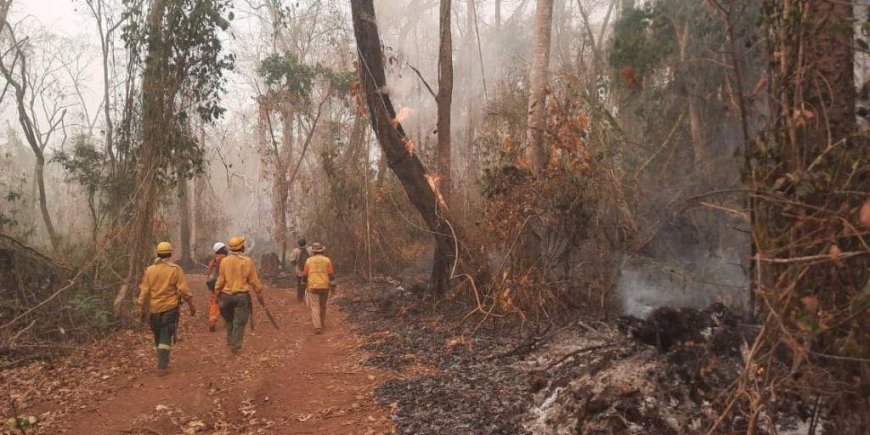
<point x="665" y="374"/>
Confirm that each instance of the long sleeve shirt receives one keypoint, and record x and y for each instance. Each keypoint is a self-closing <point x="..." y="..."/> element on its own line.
<point x="238" y="274"/>
<point x="319" y="272"/>
<point x="163" y="286"/>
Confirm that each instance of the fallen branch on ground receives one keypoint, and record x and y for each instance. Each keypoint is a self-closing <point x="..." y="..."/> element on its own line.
<point x="574" y="353"/>
<point x="524" y="347"/>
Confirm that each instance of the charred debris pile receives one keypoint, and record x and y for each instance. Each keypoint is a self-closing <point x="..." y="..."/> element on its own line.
<point x="667" y="373"/>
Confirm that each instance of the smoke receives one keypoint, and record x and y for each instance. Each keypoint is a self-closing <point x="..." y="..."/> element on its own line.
<point x="646" y="284"/>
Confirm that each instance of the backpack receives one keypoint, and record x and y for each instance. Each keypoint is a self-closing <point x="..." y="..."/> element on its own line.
<point x="303" y="257"/>
<point x="211" y="280"/>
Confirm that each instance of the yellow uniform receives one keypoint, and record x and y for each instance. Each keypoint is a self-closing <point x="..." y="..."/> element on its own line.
<point x="163" y="286"/>
<point x="318" y="270"/>
<point x="238" y="274"/>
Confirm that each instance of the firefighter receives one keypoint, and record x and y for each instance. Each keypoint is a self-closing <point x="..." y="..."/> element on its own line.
<point x="319" y="279"/>
<point x="220" y="252"/>
<point x="162" y="289"/>
<point x="298" y="257"/>
<point x="237" y="278"/>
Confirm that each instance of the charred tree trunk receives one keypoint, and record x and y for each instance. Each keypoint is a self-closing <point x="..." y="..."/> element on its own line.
<point x="417" y="183"/>
<point x="537" y="152"/>
<point x="445" y="100"/>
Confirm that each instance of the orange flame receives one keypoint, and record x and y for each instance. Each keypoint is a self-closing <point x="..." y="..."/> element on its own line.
<point x="403" y="114"/>
<point x="409" y="145"/>
<point x="434" y="182"/>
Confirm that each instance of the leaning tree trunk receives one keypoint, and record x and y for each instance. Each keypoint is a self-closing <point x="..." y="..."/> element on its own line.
<point x="445" y="100"/>
<point x="418" y="184"/>
<point x="809" y="173"/>
<point x="537" y="152"/>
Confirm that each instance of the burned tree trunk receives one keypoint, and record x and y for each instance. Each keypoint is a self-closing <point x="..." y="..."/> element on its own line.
<point x="418" y="184"/>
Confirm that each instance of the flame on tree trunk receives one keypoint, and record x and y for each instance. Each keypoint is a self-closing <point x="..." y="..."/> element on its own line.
<point x="407" y="167"/>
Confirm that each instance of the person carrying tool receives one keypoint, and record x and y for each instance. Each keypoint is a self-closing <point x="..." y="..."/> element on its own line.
<point x="163" y="287"/>
<point x="319" y="279"/>
<point x="298" y="257"/>
<point x="220" y="252"/>
<point x="237" y="277"/>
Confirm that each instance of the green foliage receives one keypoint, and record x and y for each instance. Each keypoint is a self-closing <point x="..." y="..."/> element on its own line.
<point x="91" y="308"/>
<point x="14" y="161"/>
<point x="286" y="72"/>
<point x="639" y="41"/>
<point x="84" y="165"/>
<point x="196" y="59"/>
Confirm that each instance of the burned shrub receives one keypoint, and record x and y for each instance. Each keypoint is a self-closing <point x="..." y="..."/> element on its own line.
<point x="555" y="240"/>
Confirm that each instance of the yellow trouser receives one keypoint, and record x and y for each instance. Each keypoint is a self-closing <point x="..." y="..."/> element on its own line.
<point x="316" y="300"/>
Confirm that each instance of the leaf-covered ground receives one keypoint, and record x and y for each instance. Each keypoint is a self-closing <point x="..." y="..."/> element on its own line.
<point x="285" y="381"/>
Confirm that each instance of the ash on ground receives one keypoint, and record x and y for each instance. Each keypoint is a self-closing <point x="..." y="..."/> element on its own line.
<point x="663" y="374"/>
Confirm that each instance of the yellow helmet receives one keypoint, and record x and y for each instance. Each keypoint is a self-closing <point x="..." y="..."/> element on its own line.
<point x="236" y="243"/>
<point x="164" y="248"/>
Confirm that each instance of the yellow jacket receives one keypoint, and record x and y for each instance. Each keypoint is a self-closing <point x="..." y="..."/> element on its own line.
<point x="238" y="274"/>
<point x="319" y="271"/>
<point x="163" y="286"/>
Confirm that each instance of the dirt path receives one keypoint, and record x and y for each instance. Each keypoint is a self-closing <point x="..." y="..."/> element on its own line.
<point x="285" y="382"/>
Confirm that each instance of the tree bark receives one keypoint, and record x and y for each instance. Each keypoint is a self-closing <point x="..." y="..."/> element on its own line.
<point x="186" y="257"/>
<point x="809" y="170"/>
<point x="445" y="100"/>
<point x="39" y="170"/>
<point x="537" y="151"/>
<point x="411" y="173"/>
<point x="154" y="128"/>
<point x="696" y="129"/>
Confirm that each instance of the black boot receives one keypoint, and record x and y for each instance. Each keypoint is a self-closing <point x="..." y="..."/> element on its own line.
<point x="163" y="359"/>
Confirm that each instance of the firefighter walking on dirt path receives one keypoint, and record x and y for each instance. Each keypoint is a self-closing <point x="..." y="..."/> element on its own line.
<point x="162" y="289"/>
<point x="298" y="257"/>
<point x="319" y="279"/>
<point x="220" y="252"/>
<point x="237" y="278"/>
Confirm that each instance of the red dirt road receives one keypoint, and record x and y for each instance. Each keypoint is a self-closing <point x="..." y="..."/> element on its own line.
<point x="287" y="381"/>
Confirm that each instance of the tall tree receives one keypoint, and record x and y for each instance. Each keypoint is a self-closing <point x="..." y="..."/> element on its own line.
<point x="418" y="184"/>
<point x="106" y="30"/>
<point x="537" y="151"/>
<point x="184" y="60"/>
<point x="445" y="98"/>
<point x="35" y="101"/>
